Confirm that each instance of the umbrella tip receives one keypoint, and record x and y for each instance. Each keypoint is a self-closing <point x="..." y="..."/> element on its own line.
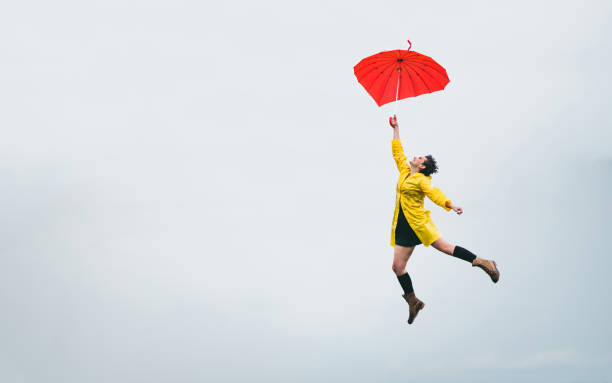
<point x="410" y="44"/>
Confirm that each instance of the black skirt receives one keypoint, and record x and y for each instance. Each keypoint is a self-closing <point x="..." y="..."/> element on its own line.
<point x="404" y="235"/>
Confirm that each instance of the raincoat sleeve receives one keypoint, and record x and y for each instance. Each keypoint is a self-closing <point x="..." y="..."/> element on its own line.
<point x="398" y="155"/>
<point x="434" y="194"/>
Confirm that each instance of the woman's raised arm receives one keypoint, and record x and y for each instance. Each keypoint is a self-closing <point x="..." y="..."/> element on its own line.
<point x="396" y="147"/>
<point x="395" y="126"/>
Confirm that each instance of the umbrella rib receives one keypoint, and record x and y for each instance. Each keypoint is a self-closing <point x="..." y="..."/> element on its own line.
<point x="426" y="63"/>
<point x="430" y="76"/>
<point x="422" y="66"/>
<point x="370" y="71"/>
<point x="374" y="61"/>
<point x="375" y="65"/>
<point x="375" y="79"/>
<point x="423" y="81"/>
<point x="409" y="77"/>
<point x="386" y="84"/>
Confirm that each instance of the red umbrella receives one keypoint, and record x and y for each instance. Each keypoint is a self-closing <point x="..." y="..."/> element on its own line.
<point x="393" y="75"/>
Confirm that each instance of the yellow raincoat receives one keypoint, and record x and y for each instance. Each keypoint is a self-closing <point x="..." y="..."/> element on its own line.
<point x="411" y="192"/>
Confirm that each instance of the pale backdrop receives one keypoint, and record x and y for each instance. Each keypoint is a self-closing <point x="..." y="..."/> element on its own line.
<point x="202" y="192"/>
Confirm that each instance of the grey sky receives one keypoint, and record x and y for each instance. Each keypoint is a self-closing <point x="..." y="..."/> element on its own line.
<point x="197" y="192"/>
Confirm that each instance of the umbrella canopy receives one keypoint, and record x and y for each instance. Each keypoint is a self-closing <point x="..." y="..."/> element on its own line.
<point x="393" y="75"/>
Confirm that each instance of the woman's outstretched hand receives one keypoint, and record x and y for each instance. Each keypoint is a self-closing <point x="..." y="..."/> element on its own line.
<point x="457" y="209"/>
<point x="393" y="122"/>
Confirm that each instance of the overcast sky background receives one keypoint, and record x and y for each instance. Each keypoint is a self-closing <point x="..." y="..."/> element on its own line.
<point x="197" y="192"/>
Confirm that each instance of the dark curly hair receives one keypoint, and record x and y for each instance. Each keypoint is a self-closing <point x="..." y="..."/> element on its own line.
<point x="431" y="166"/>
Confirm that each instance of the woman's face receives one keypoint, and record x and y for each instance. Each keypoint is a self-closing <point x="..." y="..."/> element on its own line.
<point x="418" y="162"/>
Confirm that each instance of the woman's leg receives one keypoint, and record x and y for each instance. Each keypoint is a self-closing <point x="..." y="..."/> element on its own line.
<point x="443" y="246"/>
<point x="401" y="254"/>
<point x="490" y="267"/>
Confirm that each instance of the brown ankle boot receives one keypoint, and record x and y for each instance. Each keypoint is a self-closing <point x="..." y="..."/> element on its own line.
<point x="490" y="267"/>
<point x="414" y="306"/>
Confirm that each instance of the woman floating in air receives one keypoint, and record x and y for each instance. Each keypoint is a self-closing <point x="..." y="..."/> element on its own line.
<point x="413" y="226"/>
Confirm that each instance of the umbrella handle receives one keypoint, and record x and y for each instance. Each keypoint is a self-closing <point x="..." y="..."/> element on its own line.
<point x="410" y="44"/>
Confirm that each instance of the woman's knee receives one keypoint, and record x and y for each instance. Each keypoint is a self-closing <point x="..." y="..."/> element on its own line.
<point x="398" y="267"/>
<point x="443" y="246"/>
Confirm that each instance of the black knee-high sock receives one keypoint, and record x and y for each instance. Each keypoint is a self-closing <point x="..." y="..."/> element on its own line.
<point x="464" y="254"/>
<point x="406" y="283"/>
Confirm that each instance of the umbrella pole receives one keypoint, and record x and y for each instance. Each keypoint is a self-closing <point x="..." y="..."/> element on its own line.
<point x="399" y="72"/>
